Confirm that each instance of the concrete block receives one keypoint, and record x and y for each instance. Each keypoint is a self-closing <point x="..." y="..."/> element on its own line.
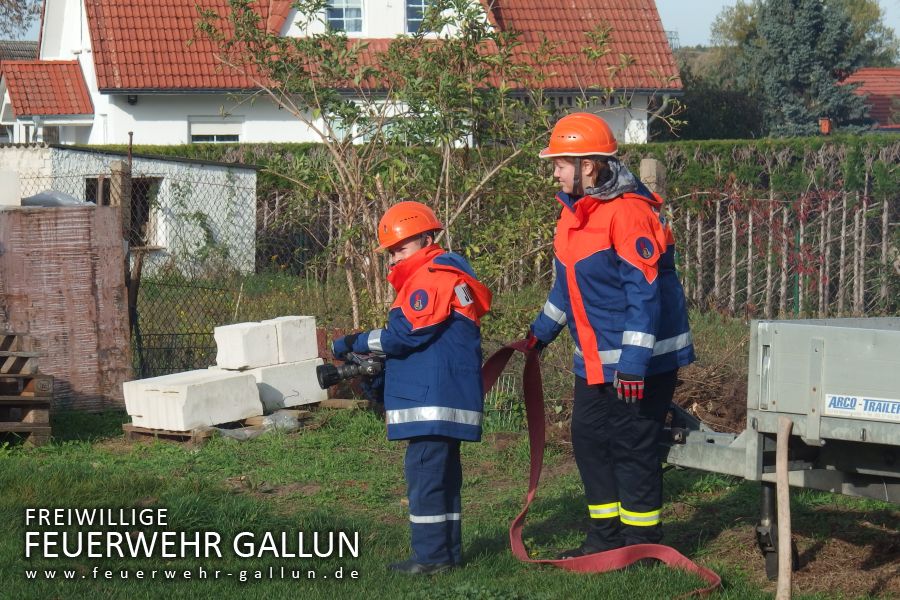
<point x="185" y="401"/>
<point x="290" y="384"/>
<point x="296" y="338"/>
<point x="246" y="345"/>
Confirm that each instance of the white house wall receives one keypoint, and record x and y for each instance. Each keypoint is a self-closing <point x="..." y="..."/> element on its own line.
<point x="380" y="19"/>
<point x="634" y="121"/>
<point x="33" y="165"/>
<point x="65" y="33"/>
<point x="203" y="217"/>
<point x="195" y="202"/>
<point x="164" y="119"/>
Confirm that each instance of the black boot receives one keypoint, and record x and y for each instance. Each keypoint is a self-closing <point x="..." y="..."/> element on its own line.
<point x="411" y="567"/>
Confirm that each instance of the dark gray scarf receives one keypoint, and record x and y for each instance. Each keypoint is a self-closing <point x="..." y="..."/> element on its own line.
<point x="621" y="180"/>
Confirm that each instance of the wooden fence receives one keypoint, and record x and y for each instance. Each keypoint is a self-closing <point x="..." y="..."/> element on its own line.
<point x="827" y="253"/>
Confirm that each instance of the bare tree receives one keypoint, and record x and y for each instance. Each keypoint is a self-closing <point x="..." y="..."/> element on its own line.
<point x="16" y="16"/>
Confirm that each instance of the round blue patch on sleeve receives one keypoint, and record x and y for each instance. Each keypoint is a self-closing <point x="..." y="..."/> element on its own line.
<point x="644" y="248"/>
<point x="418" y="300"/>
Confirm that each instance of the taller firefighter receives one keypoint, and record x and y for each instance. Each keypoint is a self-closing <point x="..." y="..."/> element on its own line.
<point x="617" y="290"/>
<point x="433" y="394"/>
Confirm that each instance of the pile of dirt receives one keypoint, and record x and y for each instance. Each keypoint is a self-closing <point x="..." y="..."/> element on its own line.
<point x="715" y="395"/>
<point x="861" y="560"/>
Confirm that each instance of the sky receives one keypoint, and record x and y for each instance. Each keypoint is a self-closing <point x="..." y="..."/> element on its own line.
<point x="693" y="18"/>
<point x="690" y="18"/>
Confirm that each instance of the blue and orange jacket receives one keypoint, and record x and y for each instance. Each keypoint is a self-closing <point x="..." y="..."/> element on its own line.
<point x="616" y="288"/>
<point x="432" y="345"/>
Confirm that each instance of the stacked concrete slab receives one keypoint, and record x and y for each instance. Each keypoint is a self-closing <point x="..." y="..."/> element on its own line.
<point x="190" y="400"/>
<point x="260" y="367"/>
<point x="281" y="354"/>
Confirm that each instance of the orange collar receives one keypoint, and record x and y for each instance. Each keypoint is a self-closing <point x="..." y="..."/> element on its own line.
<point x="404" y="269"/>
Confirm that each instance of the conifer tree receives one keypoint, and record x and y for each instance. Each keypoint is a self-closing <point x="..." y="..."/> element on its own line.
<point x="801" y="52"/>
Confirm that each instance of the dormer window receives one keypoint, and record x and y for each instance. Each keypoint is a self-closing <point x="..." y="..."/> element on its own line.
<point x="415" y="12"/>
<point x="345" y="15"/>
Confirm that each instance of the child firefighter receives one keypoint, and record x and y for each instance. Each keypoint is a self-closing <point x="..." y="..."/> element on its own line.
<point x="433" y="394"/>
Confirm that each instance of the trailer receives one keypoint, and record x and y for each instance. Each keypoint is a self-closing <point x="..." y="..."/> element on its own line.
<point x="838" y="381"/>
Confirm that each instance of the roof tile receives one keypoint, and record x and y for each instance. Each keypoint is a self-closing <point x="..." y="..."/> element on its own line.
<point x="882" y="86"/>
<point x="46" y="87"/>
<point x="129" y="36"/>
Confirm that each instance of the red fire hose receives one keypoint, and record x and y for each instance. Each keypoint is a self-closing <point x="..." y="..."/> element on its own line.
<point x="591" y="563"/>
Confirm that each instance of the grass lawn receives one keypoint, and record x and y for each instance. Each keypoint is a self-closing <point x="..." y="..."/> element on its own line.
<point x="342" y="474"/>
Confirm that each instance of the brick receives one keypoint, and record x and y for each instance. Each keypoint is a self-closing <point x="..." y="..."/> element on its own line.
<point x="246" y="345"/>
<point x="296" y="338"/>
<point x="186" y="401"/>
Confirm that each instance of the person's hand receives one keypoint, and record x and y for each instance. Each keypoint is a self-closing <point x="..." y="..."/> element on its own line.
<point x="343" y="345"/>
<point x="533" y="343"/>
<point x="629" y="388"/>
<point x="373" y="387"/>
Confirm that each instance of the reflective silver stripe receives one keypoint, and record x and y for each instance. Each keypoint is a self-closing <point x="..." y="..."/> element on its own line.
<point x="604" y="511"/>
<point x="374" y="340"/>
<point x="637" y="338"/>
<point x="554" y="314"/>
<point x="610" y="357"/>
<point x="434" y="518"/>
<point x="665" y="346"/>
<point x="673" y="343"/>
<point x="434" y="413"/>
<point x="639" y="519"/>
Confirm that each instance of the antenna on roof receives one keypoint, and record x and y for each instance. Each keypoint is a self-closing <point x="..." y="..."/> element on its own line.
<point x="672" y="36"/>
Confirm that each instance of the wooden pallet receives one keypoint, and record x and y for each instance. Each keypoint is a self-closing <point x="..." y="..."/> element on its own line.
<point x="200" y="436"/>
<point x="197" y="437"/>
<point x="28" y="418"/>
<point x="25" y="394"/>
<point x="16" y="342"/>
<point x="24" y="363"/>
<point x="26" y="385"/>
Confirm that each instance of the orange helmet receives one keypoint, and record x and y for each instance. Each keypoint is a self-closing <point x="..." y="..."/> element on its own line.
<point x="580" y="134"/>
<point x="404" y="220"/>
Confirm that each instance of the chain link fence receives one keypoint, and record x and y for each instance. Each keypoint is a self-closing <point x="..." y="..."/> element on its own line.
<point x="195" y="258"/>
<point x="208" y="248"/>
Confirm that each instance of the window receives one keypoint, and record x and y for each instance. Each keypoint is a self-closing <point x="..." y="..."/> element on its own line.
<point x="415" y="12"/>
<point x="96" y="190"/>
<point x="345" y="15"/>
<point x="144" y="191"/>
<point x="50" y="135"/>
<point x="214" y="137"/>
<point x="215" y="129"/>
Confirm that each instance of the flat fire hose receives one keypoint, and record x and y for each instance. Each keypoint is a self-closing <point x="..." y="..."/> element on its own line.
<point x="592" y="563"/>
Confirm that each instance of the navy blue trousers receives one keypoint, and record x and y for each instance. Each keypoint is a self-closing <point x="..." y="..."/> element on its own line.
<point x="617" y="452"/>
<point x="434" y="481"/>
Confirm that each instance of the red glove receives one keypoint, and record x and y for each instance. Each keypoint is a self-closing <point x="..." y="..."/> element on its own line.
<point x="630" y="388"/>
<point x="533" y="343"/>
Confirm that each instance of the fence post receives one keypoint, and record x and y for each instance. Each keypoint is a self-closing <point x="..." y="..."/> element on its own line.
<point x="120" y="193"/>
<point x="653" y="174"/>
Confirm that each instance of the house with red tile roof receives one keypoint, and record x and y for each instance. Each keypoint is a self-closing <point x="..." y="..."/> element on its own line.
<point x="107" y="68"/>
<point x="881" y="87"/>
